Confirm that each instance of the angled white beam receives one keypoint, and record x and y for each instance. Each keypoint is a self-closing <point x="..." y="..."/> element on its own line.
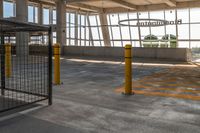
<point x="171" y="3"/>
<point x="105" y="30"/>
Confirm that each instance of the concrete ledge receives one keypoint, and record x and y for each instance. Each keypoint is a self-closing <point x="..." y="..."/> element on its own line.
<point x="173" y="54"/>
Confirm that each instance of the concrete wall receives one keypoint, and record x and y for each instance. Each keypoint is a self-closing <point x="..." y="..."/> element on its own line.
<point x="171" y="54"/>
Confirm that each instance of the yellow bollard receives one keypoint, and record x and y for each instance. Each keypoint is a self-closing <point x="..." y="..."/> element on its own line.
<point x="128" y="69"/>
<point x="57" y="64"/>
<point x="8" y="64"/>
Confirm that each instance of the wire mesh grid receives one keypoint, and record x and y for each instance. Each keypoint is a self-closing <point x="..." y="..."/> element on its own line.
<point x="30" y="77"/>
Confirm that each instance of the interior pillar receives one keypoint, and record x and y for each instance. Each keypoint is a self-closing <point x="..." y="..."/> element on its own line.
<point x="105" y="30"/>
<point x="22" y="38"/>
<point x="61" y="23"/>
<point x="1" y="9"/>
<point x="40" y="14"/>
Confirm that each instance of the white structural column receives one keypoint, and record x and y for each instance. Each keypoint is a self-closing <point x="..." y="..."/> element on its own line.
<point x="1" y="8"/>
<point x="61" y="23"/>
<point x="22" y="38"/>
<point x="105" y="30"/>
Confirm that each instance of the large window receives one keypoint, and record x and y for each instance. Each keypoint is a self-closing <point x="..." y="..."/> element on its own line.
<point x="96" y="30"/>
<point x="33" y="14"/>
<point x="46" y="16"/>
<point x="9" y="9"/>
<point x="186" y="32"/>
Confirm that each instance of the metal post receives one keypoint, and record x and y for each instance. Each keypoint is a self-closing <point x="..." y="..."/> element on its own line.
<point x="50" y="67"/>
<point x="2" y="67"/>
<point x="128" y="69"/>
<point x="139" y="30"/>
<point x="57" y="64"/>
<point x="8" y="64"/>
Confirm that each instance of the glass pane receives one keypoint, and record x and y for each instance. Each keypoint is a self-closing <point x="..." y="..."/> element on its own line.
<point x="157" y="15"/>
<point x="171" y="29"/>
<point x="144" y="31"/>
<point x="195" y="28"/>
<point x="114" y="19"/>
<point x="8" y="9"/>
<point x="170" y="15"/>
<point x="95" y="33"/>
<point x="54" y="16"/>
<point x="134" y="33"/>
<point x="183" y="44"/>
<point x="45" y="16"/>
<point x="36" y="14"/>
<point x="116" y="33"/>
<point x="195" y="44"/>
<point x="195" y="14"/>
<point x="183" y="31"/>
<point x="30" y="14"/>
<point x="183" y="14"/>
<point x="117" y="43"/>
<point x="97" y="43"/>
<point x="158" y="31"/>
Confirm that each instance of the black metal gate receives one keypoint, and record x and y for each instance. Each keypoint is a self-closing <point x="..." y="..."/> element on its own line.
<point x="30" y="76"/>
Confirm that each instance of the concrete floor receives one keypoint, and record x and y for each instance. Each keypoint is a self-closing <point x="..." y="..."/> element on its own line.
<point x="88" y="101"/>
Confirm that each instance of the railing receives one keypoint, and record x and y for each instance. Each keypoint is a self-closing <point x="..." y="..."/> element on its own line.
<point x="159" y="43"/>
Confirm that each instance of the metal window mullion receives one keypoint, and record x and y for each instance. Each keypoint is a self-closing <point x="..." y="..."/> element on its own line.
<point x="90" y="31"/>
<point x="80" y="29"/>
<point x="120" y="30"/>
<point x="149" y="21"/>
<point x="33" y="14"/>
<point x="189" y="29"/>
<point x="177" y="36"/>
<point x="129" y="27"/>
<point x="85" y="30"/>
<point x="139" y="30"/>
<point x="14" y="9"/>
<point x="51" y="15"/>
<point x="98" y="30"/>
<point x="69" y="28"/>
<point x="165" y="25"/>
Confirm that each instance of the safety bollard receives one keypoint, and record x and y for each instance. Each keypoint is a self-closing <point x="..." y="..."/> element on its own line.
<point x="128" y="69"/>
<point x="57" y="64"/>
<point x="8" y="70"/>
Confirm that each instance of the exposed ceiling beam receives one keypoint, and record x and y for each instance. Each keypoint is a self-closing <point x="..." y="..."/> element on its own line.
<point x="43" y="2"/>
<point x="171" y="3"/>
<point x="87" y="7"/>
<point x="78" y="1"/>
<point x="125" y="4"/>
<point x="73" y="8"/>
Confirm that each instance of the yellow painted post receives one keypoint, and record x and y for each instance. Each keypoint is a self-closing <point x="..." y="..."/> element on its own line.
<point x="128" y="69"/>
<point x="8" y="64"/>
<point x="57" y="64"/>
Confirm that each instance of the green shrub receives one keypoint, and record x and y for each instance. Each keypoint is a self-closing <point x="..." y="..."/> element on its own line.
<point x="150" y="37"/>
<point x="172" y="39"/>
